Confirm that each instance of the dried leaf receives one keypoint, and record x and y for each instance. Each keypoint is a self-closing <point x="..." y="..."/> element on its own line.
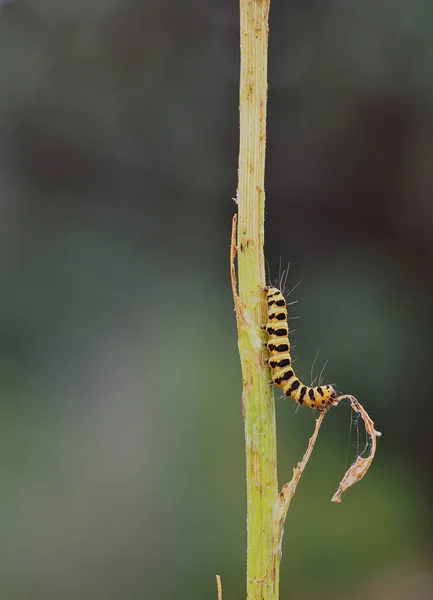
<point x="361" y="465"/>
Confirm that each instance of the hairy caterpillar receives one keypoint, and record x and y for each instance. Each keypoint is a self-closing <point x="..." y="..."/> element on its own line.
<point x="283" y="375"/>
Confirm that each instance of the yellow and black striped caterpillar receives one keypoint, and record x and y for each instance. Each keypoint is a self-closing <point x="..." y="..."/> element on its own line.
<point x="280" y="362"/>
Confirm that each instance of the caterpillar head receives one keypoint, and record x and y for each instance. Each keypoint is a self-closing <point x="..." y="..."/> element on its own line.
<point x="330" y="393"/>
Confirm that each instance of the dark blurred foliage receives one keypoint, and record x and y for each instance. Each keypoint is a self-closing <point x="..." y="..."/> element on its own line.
<point x="121" y="459"/>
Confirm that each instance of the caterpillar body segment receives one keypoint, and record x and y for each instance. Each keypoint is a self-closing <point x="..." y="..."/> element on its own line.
<point x="280" y="361"/>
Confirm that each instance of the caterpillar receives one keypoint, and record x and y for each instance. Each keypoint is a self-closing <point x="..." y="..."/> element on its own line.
<point x="280" y="362"/>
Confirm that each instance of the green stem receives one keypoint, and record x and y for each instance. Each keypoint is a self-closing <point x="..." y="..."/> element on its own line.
<point x="258" y="403"/>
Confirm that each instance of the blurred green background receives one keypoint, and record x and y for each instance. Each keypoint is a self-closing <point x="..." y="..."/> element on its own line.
<point x="121" y="435"/>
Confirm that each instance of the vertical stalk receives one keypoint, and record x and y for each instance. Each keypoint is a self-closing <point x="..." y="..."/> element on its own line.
<point x="257" y="398"/>
<point x="266" y="508"/>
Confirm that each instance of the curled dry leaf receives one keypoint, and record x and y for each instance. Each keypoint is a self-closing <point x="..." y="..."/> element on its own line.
<point x="361" y="465"/>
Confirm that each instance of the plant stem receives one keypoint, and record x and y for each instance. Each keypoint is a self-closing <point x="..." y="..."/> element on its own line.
<point x="266" y="508"/>
<point x="257" y="398"/>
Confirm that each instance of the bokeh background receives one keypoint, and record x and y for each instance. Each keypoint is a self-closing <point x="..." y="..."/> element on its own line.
<point x="121" y="436"/>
